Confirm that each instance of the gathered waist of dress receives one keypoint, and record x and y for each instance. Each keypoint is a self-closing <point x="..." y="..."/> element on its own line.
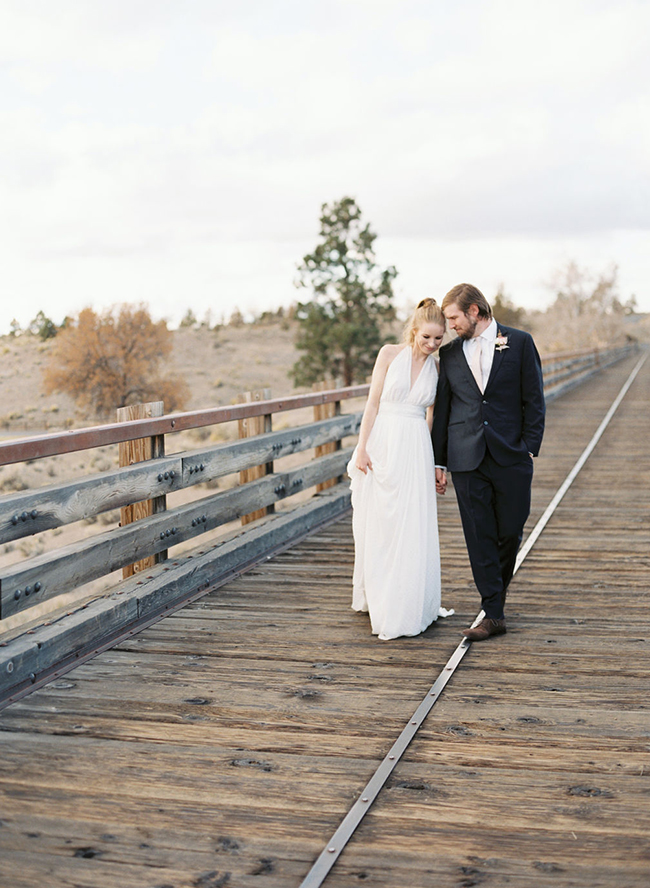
<point x="399" y="408"/>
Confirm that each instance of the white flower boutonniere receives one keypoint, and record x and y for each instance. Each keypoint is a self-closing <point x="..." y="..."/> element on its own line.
<point x="501" y="342"/>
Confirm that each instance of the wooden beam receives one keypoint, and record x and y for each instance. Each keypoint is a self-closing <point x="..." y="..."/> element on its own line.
<point x="31" y="657"/>
<point x="141" y="450"/>
<point x="252" y="427"/>
<point x="45" y="576"/>
<point x="327" y="410"/>
<point x="74" y="440"/>
<point x="26" y="513"/>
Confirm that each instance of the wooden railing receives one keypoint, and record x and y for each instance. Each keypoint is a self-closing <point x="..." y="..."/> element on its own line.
<point x="564" y="370"/>
<point x="40" y="580"/>
<point x="31" y="512"/>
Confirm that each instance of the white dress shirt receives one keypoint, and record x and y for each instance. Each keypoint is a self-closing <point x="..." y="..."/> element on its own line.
<point x="485" y="342"/>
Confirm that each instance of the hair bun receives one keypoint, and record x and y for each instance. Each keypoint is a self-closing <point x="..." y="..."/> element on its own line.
<point x="426" y="302"/>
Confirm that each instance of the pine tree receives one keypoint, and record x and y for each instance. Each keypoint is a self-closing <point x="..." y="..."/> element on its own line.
<point x="343" y="326"/>
<point x="42" y="326"/>
<point x="506" y="312"/>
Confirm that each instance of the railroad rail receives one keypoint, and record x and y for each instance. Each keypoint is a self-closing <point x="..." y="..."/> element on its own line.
<point x="355" y="815"/>
<point x="266" y="707"/>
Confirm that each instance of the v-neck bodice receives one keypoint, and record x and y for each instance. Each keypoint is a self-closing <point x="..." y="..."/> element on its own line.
<point x="397" y="385"/>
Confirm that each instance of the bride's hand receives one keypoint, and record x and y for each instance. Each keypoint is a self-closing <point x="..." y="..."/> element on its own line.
<point x="363" y="461"/>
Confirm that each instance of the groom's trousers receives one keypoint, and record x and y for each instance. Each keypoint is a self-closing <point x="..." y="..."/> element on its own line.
<point x="494" y="503"/>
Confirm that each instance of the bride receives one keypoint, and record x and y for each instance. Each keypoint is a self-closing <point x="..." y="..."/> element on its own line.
<point x="394" y="521"/>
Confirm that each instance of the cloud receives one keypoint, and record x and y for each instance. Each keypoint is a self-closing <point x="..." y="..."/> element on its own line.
<point x="144" y="132"/>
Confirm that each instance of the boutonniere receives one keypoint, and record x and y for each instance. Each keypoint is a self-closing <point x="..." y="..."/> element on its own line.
<point x="501" y="342"/>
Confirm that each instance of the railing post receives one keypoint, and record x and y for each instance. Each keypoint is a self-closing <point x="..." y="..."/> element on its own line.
<point x="249" y="428"/>
<point x="131" y="452"/>
<point x="326" y="411"/>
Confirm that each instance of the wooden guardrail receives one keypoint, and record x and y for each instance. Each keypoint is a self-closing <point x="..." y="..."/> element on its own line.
<point x="32" y="656"/>
<point x="31" y="512"/>
<point x="564" y="370"/>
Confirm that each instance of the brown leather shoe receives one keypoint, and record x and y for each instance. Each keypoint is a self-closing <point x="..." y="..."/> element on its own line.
<point x="485" y="629"/>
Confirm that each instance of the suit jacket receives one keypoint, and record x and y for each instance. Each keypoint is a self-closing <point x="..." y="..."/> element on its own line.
<point x="507" y="420"/>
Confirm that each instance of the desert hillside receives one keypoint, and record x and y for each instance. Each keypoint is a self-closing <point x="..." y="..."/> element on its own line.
<point x="217" y="366"/>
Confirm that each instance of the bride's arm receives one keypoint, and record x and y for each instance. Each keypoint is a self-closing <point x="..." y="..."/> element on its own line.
<point x="430" y="417"/>
<point x="383" y="362"/>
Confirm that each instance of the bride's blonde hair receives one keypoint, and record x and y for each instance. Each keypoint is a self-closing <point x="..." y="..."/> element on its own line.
<point x="427" y="311"/>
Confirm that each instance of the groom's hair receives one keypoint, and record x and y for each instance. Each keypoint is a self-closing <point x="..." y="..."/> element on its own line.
<point x="464" y="295"/>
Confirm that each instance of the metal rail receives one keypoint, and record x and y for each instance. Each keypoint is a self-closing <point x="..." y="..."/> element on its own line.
<point x="333" y="849"/>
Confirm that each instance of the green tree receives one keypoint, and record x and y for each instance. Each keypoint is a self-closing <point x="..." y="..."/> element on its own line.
<point x="43" y="327"/>
<point x="341" y="329"/>
<point x="189" y="319"/>
<point x="506" y="312"/>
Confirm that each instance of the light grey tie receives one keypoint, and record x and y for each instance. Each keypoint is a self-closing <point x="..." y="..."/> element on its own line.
<point x="475" y="364"/>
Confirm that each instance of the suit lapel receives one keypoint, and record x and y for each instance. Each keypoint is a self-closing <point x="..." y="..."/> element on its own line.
<point x="498" y="357"/>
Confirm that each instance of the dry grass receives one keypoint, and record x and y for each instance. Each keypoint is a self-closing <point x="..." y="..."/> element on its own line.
<point x="216" y="364"/>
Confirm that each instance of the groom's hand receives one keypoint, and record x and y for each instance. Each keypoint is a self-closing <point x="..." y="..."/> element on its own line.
<point x="441" y="481"/>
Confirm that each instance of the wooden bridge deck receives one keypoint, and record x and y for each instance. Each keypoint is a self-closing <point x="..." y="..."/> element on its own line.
<point x="223" y="745"/>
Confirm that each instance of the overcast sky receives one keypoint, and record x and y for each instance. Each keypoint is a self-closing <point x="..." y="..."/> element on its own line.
<point x="177" y="152"/>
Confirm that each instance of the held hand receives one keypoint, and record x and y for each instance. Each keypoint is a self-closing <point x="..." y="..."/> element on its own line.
<point x="363" y="461"/>
<point x="441" y="482"/>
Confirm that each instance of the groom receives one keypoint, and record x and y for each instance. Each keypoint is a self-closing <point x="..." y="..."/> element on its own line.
<point x="488" y="424"/>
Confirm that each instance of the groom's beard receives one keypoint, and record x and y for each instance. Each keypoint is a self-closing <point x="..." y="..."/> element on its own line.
<point x="468" y="332"/>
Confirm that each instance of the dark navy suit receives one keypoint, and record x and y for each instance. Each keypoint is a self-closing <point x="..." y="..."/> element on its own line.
<point x="484" y="439"/>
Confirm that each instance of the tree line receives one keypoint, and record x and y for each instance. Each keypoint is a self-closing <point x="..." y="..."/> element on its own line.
<point x="118" y="357"/>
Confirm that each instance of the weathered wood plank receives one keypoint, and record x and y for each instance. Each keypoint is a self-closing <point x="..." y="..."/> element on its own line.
<point x="45" y="576"/>
<point x="38" y="446"/>
<point x="24" y="659"/>
<point x="251" y="427"/>
<point x="33" y="511"/>
<point x="30" y="512"/>
<point x="562" y="375"/>
<point x="141" y="450"/>
<point x="325" y="411"/>
<point x="530" y="771"/>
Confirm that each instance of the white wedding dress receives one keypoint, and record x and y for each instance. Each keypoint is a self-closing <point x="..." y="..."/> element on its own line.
<point x="394" y="521"/>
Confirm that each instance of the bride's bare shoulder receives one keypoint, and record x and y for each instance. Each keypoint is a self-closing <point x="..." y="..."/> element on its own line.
<point x="390" y="351"/>
<point x="385" y="357"/>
